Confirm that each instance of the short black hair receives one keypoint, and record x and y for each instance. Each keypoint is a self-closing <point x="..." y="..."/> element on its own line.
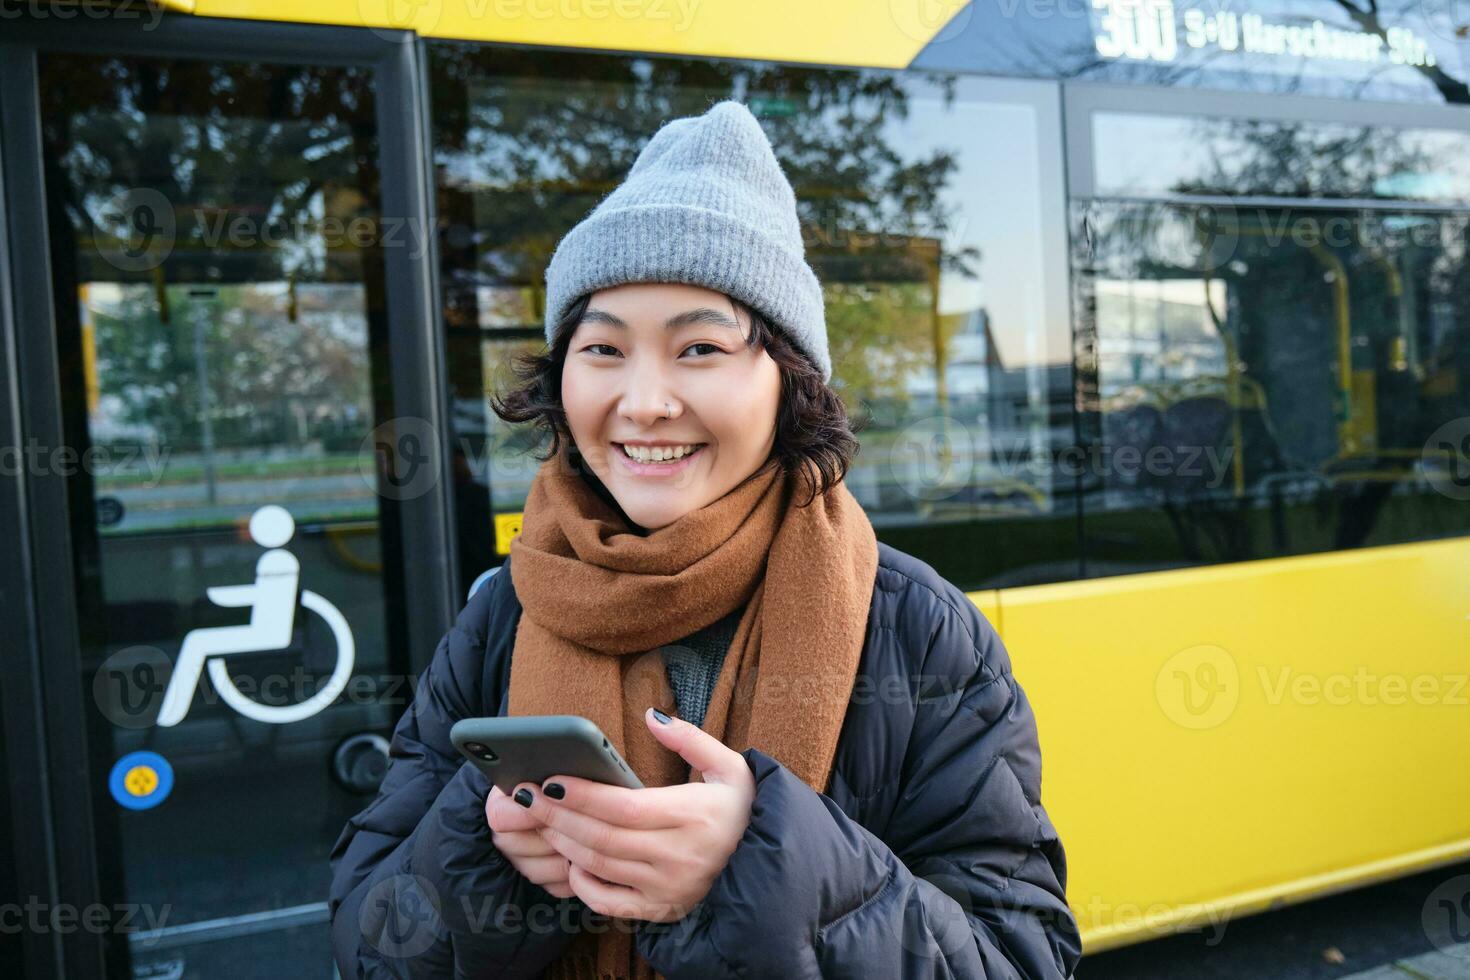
<point x="812" y="422"/>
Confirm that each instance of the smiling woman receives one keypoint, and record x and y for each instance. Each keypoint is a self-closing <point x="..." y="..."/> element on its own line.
<point x="638" y="371"/>
<point x="686" y="408"/>
<point x="694" y="577"/>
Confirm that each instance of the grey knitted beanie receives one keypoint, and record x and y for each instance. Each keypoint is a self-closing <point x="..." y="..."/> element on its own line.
<point x="707" y="204"/>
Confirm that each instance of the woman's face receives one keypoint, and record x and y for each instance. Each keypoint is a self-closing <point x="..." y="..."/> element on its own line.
<point x="646" y="349"/>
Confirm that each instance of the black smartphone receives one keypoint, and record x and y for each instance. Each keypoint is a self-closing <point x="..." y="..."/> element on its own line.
<point x="533" y="748"/>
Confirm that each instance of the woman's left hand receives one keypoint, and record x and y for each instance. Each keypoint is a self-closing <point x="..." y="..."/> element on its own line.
<point x="651" y="853"/>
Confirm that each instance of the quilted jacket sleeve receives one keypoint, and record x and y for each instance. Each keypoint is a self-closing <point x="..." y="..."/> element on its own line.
<point x="965" y="880"/>
<point x="418" y="888"/>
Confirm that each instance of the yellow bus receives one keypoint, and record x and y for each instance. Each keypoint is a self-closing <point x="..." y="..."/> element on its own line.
<point x="1154" y="313"/>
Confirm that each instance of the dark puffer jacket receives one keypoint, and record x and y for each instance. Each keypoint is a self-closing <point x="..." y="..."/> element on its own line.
<point x="929" y="855"/>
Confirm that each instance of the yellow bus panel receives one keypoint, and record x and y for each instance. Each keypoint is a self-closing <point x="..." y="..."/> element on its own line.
<point x="1221" y="740"/>
<point x="867" y="33"/>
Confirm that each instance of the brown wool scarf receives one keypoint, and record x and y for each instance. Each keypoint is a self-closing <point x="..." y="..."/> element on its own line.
<point x="599" y="600"/>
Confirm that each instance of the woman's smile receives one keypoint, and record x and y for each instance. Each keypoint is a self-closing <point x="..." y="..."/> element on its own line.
<point x="657" y="459"/>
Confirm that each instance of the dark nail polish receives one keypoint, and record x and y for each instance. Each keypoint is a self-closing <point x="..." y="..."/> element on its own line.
<point x="554" y="790"/>
<point x="523" y="797"/>
<point x="663" y="719"/>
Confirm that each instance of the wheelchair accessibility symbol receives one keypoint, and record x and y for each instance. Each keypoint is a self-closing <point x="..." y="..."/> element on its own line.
<point x="272" y="602"/>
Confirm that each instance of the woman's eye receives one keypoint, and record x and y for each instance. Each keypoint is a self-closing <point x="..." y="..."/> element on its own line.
<point x="714" y="348"/>
<point x="605" y="347"/>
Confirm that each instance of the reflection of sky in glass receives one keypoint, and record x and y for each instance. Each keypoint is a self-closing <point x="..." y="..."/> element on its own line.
<point x="271" y="212"/>
<point x="994" y="203"/>
<point x="1151" y="155"/>
<point x="1060" y="40"/>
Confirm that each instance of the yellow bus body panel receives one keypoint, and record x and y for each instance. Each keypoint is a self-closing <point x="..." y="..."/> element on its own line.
<point x="867" y="33"/>
<point x="1221" y="740"/>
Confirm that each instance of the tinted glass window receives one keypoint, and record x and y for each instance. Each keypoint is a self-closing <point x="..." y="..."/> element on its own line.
<point x="931" y="208"/>
<point x="1269" y="381"/>
<point x="1299" y="159"/>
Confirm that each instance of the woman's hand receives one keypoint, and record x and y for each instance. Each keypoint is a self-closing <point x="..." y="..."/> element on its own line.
<point x="516" y="834"/>
<point x="649" y="853"/>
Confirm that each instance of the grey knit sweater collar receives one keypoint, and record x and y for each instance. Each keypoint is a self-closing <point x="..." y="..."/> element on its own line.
<point x="694" y="664"/>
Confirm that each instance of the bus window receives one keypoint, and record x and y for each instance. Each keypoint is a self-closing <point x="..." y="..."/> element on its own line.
<point x="1277" y="158"/>
<point x="932" y="209"/>
<point x="1264" y="377"/>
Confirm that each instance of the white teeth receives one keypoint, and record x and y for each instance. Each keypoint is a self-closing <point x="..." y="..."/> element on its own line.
<point x="658" y="454"/>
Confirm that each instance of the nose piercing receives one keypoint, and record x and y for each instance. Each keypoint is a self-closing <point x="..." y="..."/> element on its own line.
<point x="668" y="412"/>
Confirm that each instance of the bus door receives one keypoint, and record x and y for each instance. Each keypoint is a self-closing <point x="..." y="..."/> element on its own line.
<point x="220" y="257"/>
